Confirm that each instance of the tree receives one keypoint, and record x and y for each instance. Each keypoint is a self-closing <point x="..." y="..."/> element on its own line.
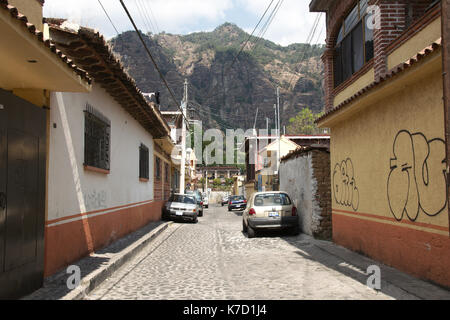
<point x="303" y="123"/>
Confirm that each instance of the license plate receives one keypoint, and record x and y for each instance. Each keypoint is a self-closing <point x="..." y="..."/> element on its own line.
<point x="274" y="214"/>
<point x="179" y="213"/>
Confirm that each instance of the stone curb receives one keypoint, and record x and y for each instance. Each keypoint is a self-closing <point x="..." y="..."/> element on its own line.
<point x="94" y="279"/>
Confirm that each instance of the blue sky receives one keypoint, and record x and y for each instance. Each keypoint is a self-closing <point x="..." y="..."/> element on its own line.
<point x="292" y="23"/>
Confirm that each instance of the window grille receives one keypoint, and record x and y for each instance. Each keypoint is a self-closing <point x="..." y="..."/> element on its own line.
<point x="144" y="162"/>
<point x="97" y="139"/>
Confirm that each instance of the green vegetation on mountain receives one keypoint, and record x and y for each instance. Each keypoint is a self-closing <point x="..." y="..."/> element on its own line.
<point x="225" y="92"/>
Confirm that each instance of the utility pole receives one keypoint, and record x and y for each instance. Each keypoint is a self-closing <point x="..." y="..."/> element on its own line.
<point x="267" y="124"/>
<point x="256" y="118"/>
<point x="279" y="131"/>
<point x="183" y="139"/>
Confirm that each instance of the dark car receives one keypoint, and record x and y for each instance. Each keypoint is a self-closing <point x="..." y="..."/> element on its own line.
<point x="237" y="202"/>
<point x="198" y="196"/>
<point x="181" y="207"/>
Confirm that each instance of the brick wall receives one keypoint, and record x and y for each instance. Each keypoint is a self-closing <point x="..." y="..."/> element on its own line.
<point x="306" y="177"/>
<point x="321" y="172"/>
<point x="396" y="16"/>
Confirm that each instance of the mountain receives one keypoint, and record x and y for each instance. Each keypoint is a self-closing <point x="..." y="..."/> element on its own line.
<point x="226" y="91"/>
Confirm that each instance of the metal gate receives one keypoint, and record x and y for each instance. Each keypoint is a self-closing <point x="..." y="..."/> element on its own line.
<point x="22" y="195"/>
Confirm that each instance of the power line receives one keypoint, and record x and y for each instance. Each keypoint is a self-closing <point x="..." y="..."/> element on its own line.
<point x="153" y="60"/>
<point x="107" y="15"/>
<point x="309" y="42"/>
<point x="142" y="14"/>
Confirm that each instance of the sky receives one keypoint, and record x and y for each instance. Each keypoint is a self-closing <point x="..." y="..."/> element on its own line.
<point x="292" y="23"/>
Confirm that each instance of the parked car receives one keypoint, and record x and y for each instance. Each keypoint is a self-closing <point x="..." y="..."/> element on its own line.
<point x="224" y="200"/>
<point x="181" y="207"/>
<point x="198" y="197"/>
<point x="237" y="202"/>
<point x="270" y="210"/>
<point x="205" y="200"/>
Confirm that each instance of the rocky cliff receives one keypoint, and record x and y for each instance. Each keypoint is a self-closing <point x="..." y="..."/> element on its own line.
<point x="225" y="92"/>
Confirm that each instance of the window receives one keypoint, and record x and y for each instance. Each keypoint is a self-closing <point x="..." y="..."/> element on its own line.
<point x="158" y="168"/>
<point x="272" y="199"/>
<point x="97" y="139"/>
<point x="166" y="173"/>
<point x="143" y="162"/>
<point x="354" y="46"/>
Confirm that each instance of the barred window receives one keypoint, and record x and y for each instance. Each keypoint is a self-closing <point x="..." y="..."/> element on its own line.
<point x="97" y="139"/>
<point x="143" y="162"/>
<point x="158" y="168"/>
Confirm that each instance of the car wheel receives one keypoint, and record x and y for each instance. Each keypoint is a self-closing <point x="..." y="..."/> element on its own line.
<point x="251" y="232"/>
<point x="244" y="227"/>
<point x="200" y="214"/>
<point x="195" y="220"/>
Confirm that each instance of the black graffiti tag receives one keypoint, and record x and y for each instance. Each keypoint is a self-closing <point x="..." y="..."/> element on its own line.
<point x="344" y="185"/>
<point x="417" y="178"/>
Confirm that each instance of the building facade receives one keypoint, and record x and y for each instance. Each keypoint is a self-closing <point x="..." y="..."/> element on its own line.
<point x="31" y="68"/>
<point x="384" y="106"/>
<point x="109" y="159"/>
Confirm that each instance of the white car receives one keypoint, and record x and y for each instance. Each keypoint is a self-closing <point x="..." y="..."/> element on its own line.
<point x="205" y="200"/>
<point x="270" y="210"/>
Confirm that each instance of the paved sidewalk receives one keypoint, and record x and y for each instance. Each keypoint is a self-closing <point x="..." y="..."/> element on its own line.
<point x="394" y="283"/>
<point x="99" y="265"/>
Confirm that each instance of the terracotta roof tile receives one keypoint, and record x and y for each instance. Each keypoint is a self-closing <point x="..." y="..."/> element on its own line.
<point x="107" y="69"/>
<point x="394" y="72"/>
<point x="4" y="4"/>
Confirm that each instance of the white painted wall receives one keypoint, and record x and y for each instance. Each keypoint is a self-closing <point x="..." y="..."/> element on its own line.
<point x="296" y="178"/>
<point x="72" y="189"/>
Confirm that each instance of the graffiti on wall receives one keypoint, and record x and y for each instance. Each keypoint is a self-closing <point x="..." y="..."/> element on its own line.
<point x="95" y="200"/>
<point x="417" y="180"/>
<point x="345" y="191"/>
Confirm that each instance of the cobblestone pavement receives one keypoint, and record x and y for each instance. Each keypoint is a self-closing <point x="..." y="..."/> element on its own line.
<point x="215" y="260"/>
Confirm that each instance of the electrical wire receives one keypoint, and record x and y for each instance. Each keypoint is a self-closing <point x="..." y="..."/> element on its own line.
<point x="153" y="60"/>
<point x="107" y="15"/>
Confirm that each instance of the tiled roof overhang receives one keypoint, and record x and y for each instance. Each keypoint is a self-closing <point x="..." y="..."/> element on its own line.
<point x="391" y="74"/>
<point x="14" y="12"/>
<point x="91" y="52"/>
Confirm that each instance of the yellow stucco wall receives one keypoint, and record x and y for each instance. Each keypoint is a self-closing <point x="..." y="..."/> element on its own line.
<point x="415" y="44"/>
<point x="367" y="140"/>
<point x="363" y="81"/>
<point x="32" y="9"/>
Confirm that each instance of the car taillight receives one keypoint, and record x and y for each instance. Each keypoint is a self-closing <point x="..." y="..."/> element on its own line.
<point x="245" y="201"/>
<point x="294" y="211"/>
<point x="252" y="212"/>
<point x="201" y="203"/>
<point x="229" y="202"/>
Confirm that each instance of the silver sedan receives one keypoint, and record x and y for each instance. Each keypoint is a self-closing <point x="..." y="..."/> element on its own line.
<point x="270" y="210"/>
<point x="181" y="207"/>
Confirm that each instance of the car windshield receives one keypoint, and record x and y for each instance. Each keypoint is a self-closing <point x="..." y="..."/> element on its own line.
<point x="195" y="194"/>
<point x="272" y="199"/>
<point x="182" y="199"/>
<point x="237" y="198"/>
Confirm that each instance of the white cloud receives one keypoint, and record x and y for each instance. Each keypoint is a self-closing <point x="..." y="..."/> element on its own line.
<point x="292" y="23"/>
<point x="175" y="16"/>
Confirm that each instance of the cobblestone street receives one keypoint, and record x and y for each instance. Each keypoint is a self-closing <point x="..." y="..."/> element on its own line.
<point x="215" y="260"/>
